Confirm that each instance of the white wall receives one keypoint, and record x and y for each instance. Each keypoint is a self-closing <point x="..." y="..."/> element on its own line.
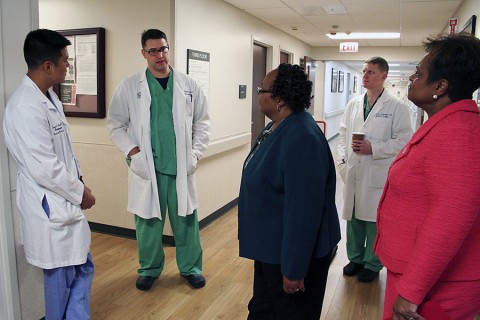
<point x="335" y="102"/>
<point x="227" y="33"/>
<point x="103" y="166"/>
<point x="467" y="9"/>
<point x="364" y="53"/>
<point x="21" y="285"/>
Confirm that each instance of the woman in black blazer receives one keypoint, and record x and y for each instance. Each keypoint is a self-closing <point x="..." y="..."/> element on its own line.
<point x="287" y="218"/>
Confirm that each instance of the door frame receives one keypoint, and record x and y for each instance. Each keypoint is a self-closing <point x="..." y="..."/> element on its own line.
<point x="268" y="67"/>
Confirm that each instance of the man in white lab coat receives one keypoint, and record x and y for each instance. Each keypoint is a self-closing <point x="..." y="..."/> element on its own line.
<point x="159" y="119"/>
<point x="363" y="164"/>
<point x="50" y="190"/>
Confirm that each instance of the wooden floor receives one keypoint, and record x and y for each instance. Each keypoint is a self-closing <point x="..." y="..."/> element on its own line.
<point x="229" y="283"/>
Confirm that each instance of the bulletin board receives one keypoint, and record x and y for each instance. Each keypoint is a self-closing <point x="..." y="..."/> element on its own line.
<point x="83" y="91"/>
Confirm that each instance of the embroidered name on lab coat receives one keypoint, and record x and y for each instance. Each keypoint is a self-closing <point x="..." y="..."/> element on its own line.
<point x="189" y="94"/>
<point x="57" y="129"/>
<point x="383" y="115"/>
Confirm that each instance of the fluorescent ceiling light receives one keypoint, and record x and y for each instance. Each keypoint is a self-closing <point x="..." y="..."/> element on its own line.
<point x="364" y="35"/>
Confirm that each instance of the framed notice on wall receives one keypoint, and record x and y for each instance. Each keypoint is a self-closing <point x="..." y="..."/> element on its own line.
<point x="198" y="67"/>
<point x="340" y="81"/>
<point x="334" y="81"/>
<point x="83" y="92"/>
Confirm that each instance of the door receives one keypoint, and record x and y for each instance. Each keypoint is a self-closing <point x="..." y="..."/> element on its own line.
<point x="259" y="72"/>
<point x="284" y="57"/>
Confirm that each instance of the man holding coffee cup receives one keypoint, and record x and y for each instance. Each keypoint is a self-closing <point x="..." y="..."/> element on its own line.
<point x="374" y="128"/>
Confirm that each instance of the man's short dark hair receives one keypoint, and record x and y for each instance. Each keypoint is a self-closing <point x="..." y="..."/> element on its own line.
<point x="43" y="45"/>
<point x="152" y="34"/>
<point x="380" y="62"/>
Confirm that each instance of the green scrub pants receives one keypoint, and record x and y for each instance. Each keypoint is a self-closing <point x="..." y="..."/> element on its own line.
<point x="360" y="239"/>
<point x="185" y="232"/>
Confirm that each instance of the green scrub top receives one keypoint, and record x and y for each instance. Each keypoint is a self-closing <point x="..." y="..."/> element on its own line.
<point x="161" y="125"/>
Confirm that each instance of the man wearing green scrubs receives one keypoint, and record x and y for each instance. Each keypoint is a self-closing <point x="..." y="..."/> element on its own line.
<point x="159" y="119"/>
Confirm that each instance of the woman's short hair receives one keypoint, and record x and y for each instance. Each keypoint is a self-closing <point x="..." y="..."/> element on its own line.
<point x="455" y="58"/>
<point x="292" y="86"/>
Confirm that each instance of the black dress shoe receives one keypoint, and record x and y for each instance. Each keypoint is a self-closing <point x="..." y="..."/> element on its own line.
<point x="145" y="282"/>
<point x="352" y="269"/>
<point x="195" y="280"/>
<point x="367" y="275"/>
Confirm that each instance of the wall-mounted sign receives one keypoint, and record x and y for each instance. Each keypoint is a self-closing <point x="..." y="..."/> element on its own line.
<point x="349" y="47"/>
<point x="198" y="67"/>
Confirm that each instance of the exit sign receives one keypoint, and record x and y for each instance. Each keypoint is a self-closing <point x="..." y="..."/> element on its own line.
<point x="349" y="47"/>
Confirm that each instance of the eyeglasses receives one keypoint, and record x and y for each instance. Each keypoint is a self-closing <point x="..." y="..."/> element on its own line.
<point x="260" y="91"/>
<point x="154" y="51"/>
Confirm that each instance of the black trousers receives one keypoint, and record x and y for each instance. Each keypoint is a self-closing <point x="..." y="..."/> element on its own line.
<point x="270" y="302"/>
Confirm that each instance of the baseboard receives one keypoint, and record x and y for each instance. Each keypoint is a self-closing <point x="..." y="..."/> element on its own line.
<point x="167" y="240"/>
<point x="217" y="214"/>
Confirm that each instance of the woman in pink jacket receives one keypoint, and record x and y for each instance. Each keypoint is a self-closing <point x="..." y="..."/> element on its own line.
<point x="428" y="217"/>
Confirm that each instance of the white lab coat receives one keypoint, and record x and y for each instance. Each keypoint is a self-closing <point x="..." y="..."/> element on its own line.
<point x="37" y="135"/>
<point x="129" y="124"/>
<point x="388" y="128"/>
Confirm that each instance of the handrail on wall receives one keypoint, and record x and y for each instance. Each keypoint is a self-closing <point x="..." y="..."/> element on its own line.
<point x="324" y="124"/>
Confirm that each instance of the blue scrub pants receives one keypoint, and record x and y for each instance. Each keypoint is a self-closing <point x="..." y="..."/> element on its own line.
<point x="67" y="291"/>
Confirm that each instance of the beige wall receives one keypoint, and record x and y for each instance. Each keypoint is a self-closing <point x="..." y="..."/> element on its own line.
<point x="389" y="53"/>
<point x="212" y="26"/>
<point x="103" y="167"/>
<point x="468" y="8"/>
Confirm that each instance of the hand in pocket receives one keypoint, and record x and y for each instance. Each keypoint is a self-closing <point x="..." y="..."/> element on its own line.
<point x="139" y="165"/>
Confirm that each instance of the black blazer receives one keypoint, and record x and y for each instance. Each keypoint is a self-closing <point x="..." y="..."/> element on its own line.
<point x="286" y="210"/>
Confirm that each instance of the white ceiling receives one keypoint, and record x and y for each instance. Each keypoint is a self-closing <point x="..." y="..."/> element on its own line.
<point x="310" y="20"/>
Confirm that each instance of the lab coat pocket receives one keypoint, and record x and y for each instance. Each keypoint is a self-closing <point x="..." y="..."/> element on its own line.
<point x="62" y="212"/>
<point x="192" y="162"/>
<point x="377" y="177"/>
<point x="139" y="165"/>
<point x="342" y="171"/>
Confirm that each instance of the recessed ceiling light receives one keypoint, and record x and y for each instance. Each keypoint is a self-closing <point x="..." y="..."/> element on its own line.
<point x="364" y="35"/>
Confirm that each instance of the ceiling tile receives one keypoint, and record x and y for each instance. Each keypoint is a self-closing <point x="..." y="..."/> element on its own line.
<point x="312" y="21"/>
